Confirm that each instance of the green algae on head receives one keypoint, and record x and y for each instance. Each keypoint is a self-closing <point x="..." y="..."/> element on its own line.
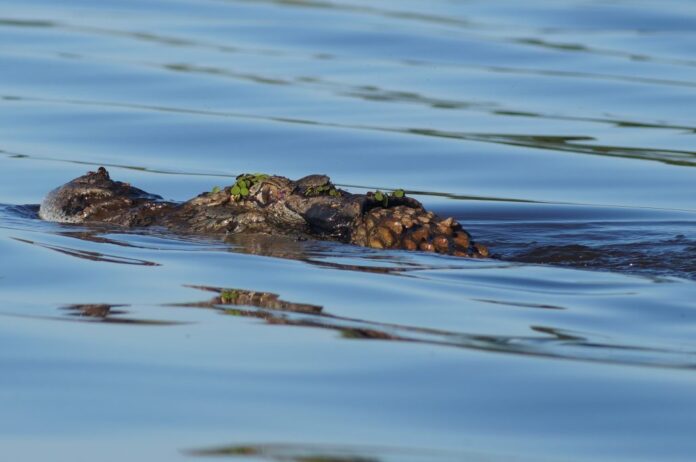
<point x="245" y="181"/>
<point x="379" y="196"/>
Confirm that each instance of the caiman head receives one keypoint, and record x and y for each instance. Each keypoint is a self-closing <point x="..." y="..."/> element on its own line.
<point x="95" y="197"/>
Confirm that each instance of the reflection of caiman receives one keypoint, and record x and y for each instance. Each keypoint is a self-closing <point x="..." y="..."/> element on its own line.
<point x="311" y="207"/>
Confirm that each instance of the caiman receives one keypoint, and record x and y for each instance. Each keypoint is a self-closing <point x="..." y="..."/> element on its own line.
<point x="309" y="208"/>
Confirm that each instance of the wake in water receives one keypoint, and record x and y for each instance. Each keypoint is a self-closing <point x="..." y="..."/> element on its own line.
<point x="648" y="248"/>
<point x="651" y="247"/>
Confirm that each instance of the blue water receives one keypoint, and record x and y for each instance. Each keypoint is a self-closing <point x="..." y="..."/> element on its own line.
<point x="561" y="134"/>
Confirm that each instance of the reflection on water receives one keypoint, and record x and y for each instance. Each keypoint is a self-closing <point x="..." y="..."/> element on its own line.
<point x="543" y="341"/>
<point x="327" y="453"/>
<point x="240" y="297"/>
<point x="99" y="312"/>
<point x="560" y="133"/>
<point x="552" y="342"/>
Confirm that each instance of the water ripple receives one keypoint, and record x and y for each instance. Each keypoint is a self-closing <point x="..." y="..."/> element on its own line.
<point x="89" y="255"/>
<point x="555" y="143"/>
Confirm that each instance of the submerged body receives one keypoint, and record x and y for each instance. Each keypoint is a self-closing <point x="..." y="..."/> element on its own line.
<point x="311" y="207"/>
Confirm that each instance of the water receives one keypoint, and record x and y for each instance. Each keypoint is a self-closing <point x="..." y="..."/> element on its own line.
<point x="560" y="133"/>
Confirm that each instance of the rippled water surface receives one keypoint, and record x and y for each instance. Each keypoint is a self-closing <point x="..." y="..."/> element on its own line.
<point x="560" y="133"/>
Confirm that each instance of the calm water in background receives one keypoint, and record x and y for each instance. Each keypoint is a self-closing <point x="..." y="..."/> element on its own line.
<point x="560" y="133"/>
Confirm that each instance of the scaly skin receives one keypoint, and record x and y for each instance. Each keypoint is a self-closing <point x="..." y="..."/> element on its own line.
<point x="311" y="207"/>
